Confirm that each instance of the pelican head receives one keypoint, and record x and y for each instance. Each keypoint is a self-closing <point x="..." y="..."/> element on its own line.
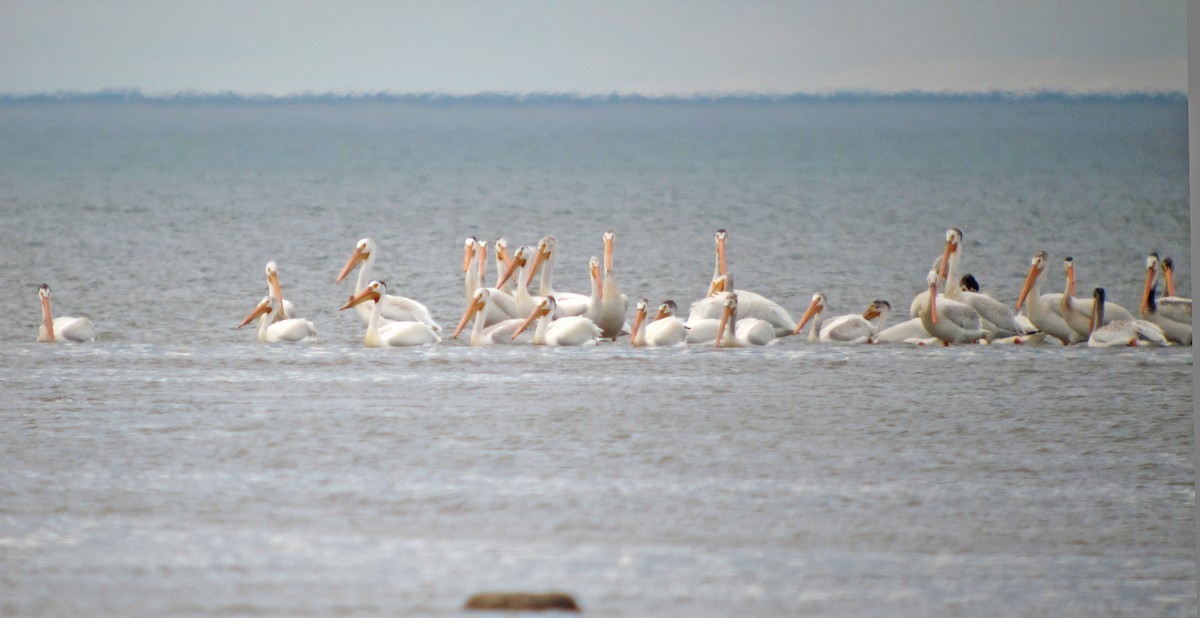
<point x="47" y="319"/>
<point x="967" y="283"/>
<point x="547" y="247"/>
<point x="666" y="309"/>
<point x="720" y="239"/>
<point x="1036" y="266"/>
<point x="1069" y="268"/>
<point x="814" y="307"/>
<point x="468" y="251"/>
<point x="878" y="308"/>
<point x="478" y="304"/>
<point x="266" y="305"/>
<point x="544" y="307"/>
<point x="1168" y="269"/>
<point x="375" y="290"/>
<point x="639" y="316"/>
<point x="519" y="258"/>
<point x="954" y="237"/>
<point x="273" y="280"/>
<point x="1151" y="279"/>
<point x="932" y="280"/>
<point x="362" y="251"/>
<point x="609" y="237"/>
<point x="594" y="270"/>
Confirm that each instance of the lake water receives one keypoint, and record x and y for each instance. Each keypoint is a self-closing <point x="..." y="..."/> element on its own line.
<point x="177" y="467"/>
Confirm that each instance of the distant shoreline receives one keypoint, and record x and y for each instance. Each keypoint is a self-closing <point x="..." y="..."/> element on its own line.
<point x="513" y="99"/>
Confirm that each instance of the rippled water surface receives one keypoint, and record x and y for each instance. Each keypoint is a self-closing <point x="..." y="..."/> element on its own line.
<point x="176" y="467"/>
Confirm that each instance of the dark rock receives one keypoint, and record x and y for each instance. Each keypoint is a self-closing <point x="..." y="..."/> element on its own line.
<point x="522" y="601"/>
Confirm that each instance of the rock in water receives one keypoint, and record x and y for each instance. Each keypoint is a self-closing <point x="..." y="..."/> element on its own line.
<point x="522" y="601"/>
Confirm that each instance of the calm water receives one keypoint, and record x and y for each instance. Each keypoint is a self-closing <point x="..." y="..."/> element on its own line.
<point x="176" y="467"/>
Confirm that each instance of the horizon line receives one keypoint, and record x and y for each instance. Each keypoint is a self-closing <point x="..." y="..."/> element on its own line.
<point x="135" y="95"/>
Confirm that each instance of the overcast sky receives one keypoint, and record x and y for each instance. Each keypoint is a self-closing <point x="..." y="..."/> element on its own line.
<point x="647" y="46"/>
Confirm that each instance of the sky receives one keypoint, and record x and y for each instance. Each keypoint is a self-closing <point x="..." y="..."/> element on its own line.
<point x="649" y="47"/>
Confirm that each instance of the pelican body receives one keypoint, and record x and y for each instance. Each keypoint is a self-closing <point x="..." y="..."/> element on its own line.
<point x="52" y="329"/>
<point x="1172" y="314"/>
<point x="947" y="319"/>
<point x="1045" y="310"/>
<point x="565" y="303"/>
<point x="1078" y="311"/>
<point x="564" y="331"/>
<point x="733" y="331"/>
<point x="1120" y="332"/>
<point x="382" y="334"/>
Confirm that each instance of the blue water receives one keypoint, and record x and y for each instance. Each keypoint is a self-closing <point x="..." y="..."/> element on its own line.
<point x="177" y="467"/>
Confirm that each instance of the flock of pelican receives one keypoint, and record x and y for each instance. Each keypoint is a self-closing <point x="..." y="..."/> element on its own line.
<point x="950" y="310"/>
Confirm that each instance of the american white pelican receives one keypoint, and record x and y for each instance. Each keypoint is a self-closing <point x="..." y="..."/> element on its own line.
<point x="565" y="303"/>
<point x="1045" y="310"/>
<point x="1078" y="311"/>
<point x="503" y="259"/>
<point x="1164" y="311"/>
<point x="382" y="334"/>
<point x="1120" y="332"/>
<point x="69" y="329"/>
<point x="1170" y="307"/>
<point x="1030" y="333"/>
<point x="664" y="330"/>
<point x="524" y="301"/>
<point x="269" y="331"/>
<point x="609" y="312"/>
<point x="998" y="321"/>
<point x="733" y="331"/>
<point x="288" y="309"/>
<point x="947" y="319"/>
<point x="481" y="334"/>
<point x="569" y="330"/>
<point x="395" y="308"/>
<point x="501" y="305"/>
<point x="750" y="304"/>
<point x="471" y="280"/>
<point x="849" y="328"/>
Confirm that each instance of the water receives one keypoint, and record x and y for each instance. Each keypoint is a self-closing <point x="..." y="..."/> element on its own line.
<point x="176" y="467"/>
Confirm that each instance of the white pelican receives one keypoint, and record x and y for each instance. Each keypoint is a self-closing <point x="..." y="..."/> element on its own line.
<point x="501" y="305"/>
<point x="1170" y="307"/>
<point x="395" y="308"/>
<point x="288" y="309"/>
<point x="664" y="330"/>
<point x="750" y="304"/>
<point x="70" y="329"/>
<point x="382" y="334"/>
<point x="1045" y="310"/>
<point x="947" y="319"/>
<point x="470" y="279"/>
<point x="1120" y="332"/>
<point x="849" y="328"/>
<point x="271" y="331"/>
<point x="503" y="260"/>
<point x="1163" y="311"/>
<point x="565" y="303"/>
<point x="481" y="334"/>
<point x="569" y="330"/>
<point x="734" y="332"/>
<point x="524" y="301"/>
<point x="609" y="312"/>
<point x="1031" y="334"/>
<point x="1078" y="311"/>
<point x="998" y="321"/>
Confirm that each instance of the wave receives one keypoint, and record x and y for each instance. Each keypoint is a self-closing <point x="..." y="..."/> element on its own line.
<point x="557" y="98"/>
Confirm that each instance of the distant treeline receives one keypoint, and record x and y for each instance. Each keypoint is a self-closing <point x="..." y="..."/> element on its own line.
<point x="505" y="99"/>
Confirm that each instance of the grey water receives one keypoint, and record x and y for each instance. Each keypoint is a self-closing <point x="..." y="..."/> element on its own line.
<point x="177" y="467"/>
